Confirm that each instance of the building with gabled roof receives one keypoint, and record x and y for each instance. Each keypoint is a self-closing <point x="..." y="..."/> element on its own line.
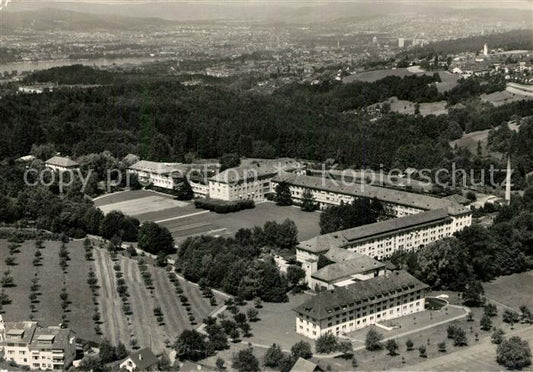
<point x="61" y="164"/>
<point x="381" y="239"/>
<point x="346" y="272"/>
<point x="346" y="309"/>
<point x="140" y="360"/>
<point x="251" y="180"/>
<point x="304" y="365"/>
<point x="44" y="348"/>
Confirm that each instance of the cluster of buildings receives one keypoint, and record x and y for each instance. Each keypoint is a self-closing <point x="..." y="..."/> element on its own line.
<point x="43" y="348"/>
<point x="354" y="288"/>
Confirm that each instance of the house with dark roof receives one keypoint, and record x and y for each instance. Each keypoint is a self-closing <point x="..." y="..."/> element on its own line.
<point x="140" y="360"/>
<point x="348" y="308"/>
<point x="304" y="365"/>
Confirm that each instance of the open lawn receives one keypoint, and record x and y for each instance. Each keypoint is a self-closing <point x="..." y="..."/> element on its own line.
<point x="504" y="97"/>
<point x="511" y="290"/>
<point x="115" y="326"/>
<point x="184" y="220"/>
<point x="470" y="140"/>
<point x="51" y="278"/>
<point x="210" y="223"/>
<point x="448" y="80"/>
<point x="408" y="107"/>
<point x="142" y="325"/>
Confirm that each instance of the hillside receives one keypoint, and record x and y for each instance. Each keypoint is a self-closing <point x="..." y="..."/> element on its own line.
<point x="50" y="19"/>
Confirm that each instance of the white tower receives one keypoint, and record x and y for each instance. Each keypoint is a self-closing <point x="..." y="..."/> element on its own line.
<point x="485" y="50"/>
<point x="508" y="180"/>
<point x="401" y="42"/>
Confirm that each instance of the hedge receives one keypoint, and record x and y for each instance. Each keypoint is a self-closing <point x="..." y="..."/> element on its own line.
<point x="222" y="206"/>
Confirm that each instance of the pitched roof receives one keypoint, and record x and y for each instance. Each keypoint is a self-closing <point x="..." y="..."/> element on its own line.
<point x="394" y="225"/>
<point x="143" y="359"/>
<point x="257" y="169"/>
<point x="62" y="162"/>
<point x="392" y="196"/>
<point x="328" y="303"/>
<point x="340" y="255"/>
<point x="155" y="167"/>
<point x="341" y="270"/>
<point x="324" y="243"/>
<point x="303" y="365"/>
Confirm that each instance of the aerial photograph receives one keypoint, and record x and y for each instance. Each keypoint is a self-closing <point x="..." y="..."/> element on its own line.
<point x="266" y="185"/>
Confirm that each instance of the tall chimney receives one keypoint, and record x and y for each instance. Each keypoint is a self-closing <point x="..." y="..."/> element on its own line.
<point x="508" y="180"/>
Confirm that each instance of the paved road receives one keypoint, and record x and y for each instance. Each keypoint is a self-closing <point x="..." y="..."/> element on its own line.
<point x="479" y="357"/>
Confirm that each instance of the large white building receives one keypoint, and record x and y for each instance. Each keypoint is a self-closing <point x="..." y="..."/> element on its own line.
<point x="251" y="180"/>
<point x="381" y="239"/>
<point x="348" y="308"/>
<point x="331" y="192"/>
<point x="161" y="175"/>
<point x="28" y="344"/>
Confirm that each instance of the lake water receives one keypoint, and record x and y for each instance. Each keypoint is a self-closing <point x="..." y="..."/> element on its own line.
<point x="43" y="65"/>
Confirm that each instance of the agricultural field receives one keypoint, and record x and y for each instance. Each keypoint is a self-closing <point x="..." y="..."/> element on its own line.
<point x="448" y="80"/>
<point x="372" y="76"/>
<point x="408" y="107"/>
<point x="470" y="140"/>
<point x="185" y="220"/>
<point x="141" y="325"/>
<point x="504" y="97"/>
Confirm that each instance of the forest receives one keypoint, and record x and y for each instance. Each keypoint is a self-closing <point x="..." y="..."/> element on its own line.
<point x="165" y="121"/>
<point x="511" y="40"/>
<point x="478" y="253"/>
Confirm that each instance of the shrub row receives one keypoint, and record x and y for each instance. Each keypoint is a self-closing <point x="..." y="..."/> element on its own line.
<point x="222" y="206"/>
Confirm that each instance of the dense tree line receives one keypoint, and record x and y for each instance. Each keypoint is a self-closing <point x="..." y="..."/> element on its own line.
<point x="237" y="265"/>
<point x="165" y="121"/>
<point x="361" y="211"/>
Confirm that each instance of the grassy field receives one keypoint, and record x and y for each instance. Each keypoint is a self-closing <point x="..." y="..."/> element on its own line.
<point x="408" y="107"/>
<point x="504" y="97"/>
<point x="470" y="140"/>
<point x="185" y="220"/>
<point x="448" y="80"/>
<point x="51" y="279"/>
<point x="512" y="290"/>
<point x="141" y="325"/>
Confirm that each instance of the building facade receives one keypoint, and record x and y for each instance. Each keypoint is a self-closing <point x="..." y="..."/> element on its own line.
<point x="346" y="309"/>
<point x="28" y="344"/>
<point x="380" y="240"/>
<point x="61" y="164"/>
<point x="163" y="175"/>
<point x="251" y="181"/>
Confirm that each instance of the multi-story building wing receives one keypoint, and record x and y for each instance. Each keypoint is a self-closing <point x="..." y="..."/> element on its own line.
<point x="346" y="309"/>
<point x="251" y="181"/>
<point x="157" y="174"/>
<point x="380" y="240"/>
<point x="28" y="344"/>
<point x="331" y="192"/>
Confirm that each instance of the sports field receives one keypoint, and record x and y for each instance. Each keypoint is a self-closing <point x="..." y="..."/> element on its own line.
<point x="184" y="220"/>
